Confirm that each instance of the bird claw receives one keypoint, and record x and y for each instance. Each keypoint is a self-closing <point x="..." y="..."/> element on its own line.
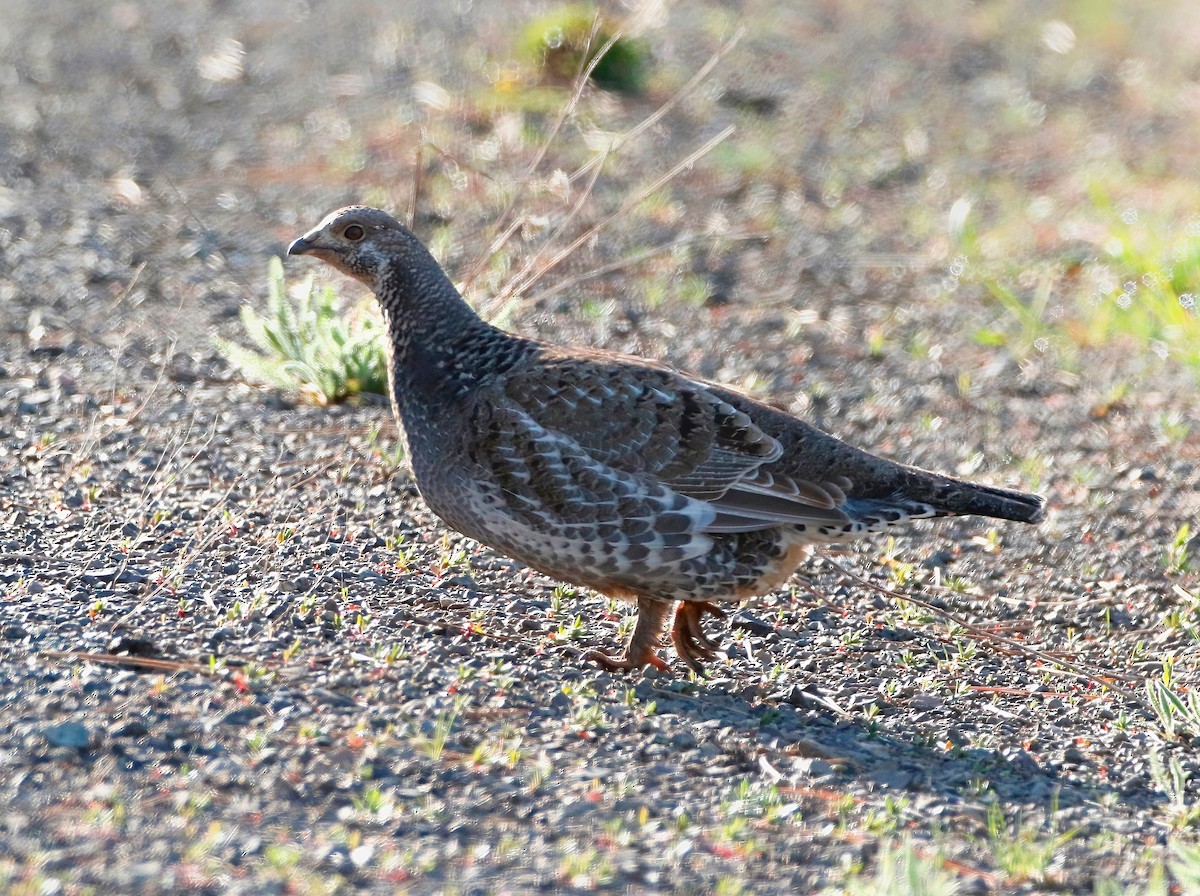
<point x="691" y="643"/>
<point x="687" y="634"/>
<point x="630" y="661"/>
<point x="642" y="649"/>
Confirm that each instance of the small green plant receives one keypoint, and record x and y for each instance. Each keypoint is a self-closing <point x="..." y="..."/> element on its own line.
<point x="560" y="43"/>
<point x="1172" y="779"/>
<point x="307" y="343"/>
<point x="538" y="772"/>
<point x="586" y="869"/>
<point x="730" y="886"/>
<point x="257" y="741"/>
<point x="282" y="856"/>
<point x="694" y="290"/>
<point x="1185" y="868"/>
<point x="886" y="820"/>
<point x="1176" y="715"/>
<point x="1144" y="289"/>
<point x="571" y="630"/>
<point x="1178" y="561"/>
<point x="1026" y="854"/>
<point x="374" y="803"/>
<point x="1029" y="313"/>
<point x="902" y="871"/>
<point x="853" y="638"/>
<point x="1172" y="428"/>
<point x="435" y="744"/>
<point x="1152" y="292"/>
<point x="1156" y="884"/>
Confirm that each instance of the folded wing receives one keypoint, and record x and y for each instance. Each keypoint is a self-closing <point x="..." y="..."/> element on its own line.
<point x="660" y="427"/>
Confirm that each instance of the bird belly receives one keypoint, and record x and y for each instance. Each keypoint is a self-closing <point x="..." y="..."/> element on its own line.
<point x="775" y="572"/>
<point x="720" y="567"/>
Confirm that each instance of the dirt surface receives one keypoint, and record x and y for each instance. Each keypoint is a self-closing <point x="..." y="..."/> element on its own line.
<point x="238" y="654"/>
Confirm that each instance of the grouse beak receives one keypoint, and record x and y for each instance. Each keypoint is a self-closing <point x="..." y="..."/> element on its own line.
<point x="302" y="246"/>
<point x="318" y="244"/>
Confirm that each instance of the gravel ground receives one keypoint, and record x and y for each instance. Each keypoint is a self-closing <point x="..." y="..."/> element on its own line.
<point x="238" y="654"/>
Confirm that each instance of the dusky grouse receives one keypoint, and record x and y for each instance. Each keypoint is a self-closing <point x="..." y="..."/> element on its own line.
<point x="613" y="472"/>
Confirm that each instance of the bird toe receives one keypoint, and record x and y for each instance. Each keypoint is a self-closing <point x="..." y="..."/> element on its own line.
<point x="630" y="661"/>
<point x="688" y="636"/>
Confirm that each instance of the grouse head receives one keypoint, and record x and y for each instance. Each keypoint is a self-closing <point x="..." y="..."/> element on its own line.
<point x="367" y="244"/>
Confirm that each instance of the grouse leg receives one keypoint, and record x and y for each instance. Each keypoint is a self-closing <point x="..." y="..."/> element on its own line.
<point x="691" y="643"/>
<point x="643" y="645"/>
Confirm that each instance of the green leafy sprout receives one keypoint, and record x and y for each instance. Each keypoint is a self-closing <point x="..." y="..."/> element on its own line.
<point x="307" y="342"/>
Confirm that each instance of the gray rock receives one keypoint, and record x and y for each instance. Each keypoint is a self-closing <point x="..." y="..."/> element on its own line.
<point x="68" y="734"/>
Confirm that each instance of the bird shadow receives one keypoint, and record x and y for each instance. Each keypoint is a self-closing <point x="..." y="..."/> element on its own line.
<point x="801" y="738"/>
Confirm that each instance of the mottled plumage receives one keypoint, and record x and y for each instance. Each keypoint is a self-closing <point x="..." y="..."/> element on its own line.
<point x="613" y="472"/>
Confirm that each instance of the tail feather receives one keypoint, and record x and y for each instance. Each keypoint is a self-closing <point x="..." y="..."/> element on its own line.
<point x="951" y="497"/>
<point x="940" y="497"/>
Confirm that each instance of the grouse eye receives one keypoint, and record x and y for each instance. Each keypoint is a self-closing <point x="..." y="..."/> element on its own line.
<point x="354" y="233"/>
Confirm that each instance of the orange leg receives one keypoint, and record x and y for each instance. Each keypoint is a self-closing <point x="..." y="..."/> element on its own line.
<point x="691" y="643"/>
<point x="642" y="649"/>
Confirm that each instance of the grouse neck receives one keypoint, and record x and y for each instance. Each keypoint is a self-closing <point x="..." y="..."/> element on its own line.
<point x="439" y="347"/>
<point x="422" y="305"/>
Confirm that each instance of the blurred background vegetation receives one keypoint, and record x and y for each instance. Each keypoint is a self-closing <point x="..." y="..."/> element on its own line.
<point x="1010" y="178"/>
